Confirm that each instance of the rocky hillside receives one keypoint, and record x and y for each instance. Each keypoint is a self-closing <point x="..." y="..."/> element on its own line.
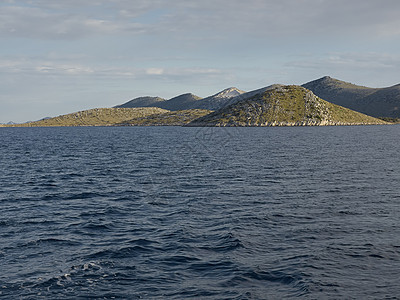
<point x="377" y="102"/>
<point x="96" y="117"/>
<point x="247" y="95"/>
<point x="170" y="118"/>
<point x="284" y="106"/>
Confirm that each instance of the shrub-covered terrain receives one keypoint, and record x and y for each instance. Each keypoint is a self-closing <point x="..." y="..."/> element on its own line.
<point x="171" y="118"/>
<point x="96" y="117"/>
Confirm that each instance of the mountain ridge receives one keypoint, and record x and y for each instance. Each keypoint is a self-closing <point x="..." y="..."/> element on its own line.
<point x="185" y="101"/>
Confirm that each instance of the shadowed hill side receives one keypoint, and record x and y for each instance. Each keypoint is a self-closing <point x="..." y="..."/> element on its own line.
<point x="377" y="102"/>
<point x="180" y="102"/>
<point x="344" y="93"/>
<point x="96" y="117"/>
<point x="384" y="102"/>
<point x="284" y="106"/>
<point x="142" y="102"/>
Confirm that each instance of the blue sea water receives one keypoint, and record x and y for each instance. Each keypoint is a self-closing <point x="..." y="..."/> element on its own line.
<point x="200" y="213"/>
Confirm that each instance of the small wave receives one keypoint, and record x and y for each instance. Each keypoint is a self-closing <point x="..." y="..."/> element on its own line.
<point x="295" y="285"/>
<point x="94" y="213"/>
<point x="85" y="195"/>
<point x="215" y="267"/>
<point x="5" y="223"/>
<point x="107" y="211"/>
<point x="76" y="277"/>
<point x="71" y="175"/>
<point x="49" y="241"/>
<point x="178" y="260"/>
<point x="288" y="216"/>
<point x="196" y="293"/>
<point x="98" y="226"/>
<point x="142" y="242"/>
<point x="38" y="222"/>
<point x="48" y="185"/>
<point x="125" y="252"/>
<point x="348" y="212"/>
<point x="224" y="243"/>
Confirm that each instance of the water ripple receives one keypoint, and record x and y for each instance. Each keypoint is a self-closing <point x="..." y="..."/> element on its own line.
<point x="176" y="213"/>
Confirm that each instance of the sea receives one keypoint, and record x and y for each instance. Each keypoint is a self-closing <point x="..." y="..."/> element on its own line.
<point x="200" y="213"/>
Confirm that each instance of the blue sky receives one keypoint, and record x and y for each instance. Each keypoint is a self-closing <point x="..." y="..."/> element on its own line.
<point x="58" y="57"/>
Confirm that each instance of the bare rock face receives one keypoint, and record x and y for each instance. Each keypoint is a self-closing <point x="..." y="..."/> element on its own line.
<point x="229" y="93"/>
<point x="218" y="100"/>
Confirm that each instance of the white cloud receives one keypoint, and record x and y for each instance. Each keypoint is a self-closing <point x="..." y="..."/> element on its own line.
<point x="356" y="61"/>
<point x="28" y="67"/>
<point x="155" y="71"/>
<point x="287" y="18"/>
<point x="206" y="18"/>
<point x="25" y="66"/>
<point x="31" y="22"/>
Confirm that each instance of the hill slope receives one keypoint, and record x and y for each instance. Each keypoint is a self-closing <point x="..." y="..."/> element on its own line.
<point x="284" y="106"/>
<point x="248" y="95"/>
<point x="142" y="102"/>
<point x="180" y="102"/>
<point x="96" y="117"/>
<point x="377" y="102"/>
<point x="170" y="118"/>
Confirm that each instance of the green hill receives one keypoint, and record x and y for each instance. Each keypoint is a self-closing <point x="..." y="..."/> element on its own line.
<point x="284" y="106"/>
<point x="96" y="117"/>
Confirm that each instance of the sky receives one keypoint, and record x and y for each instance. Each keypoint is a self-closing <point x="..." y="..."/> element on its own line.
<point x="63" y="56"/>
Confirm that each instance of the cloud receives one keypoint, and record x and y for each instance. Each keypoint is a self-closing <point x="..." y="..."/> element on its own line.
<point x="356" y="61"/>
<point x="155" y="71"/>
<point x="32" y="22"/>
<point x="25" y="66"/>
<point x="369" y="69"/>
<point x="206" y="18"/>
<point x="286" y="18"/>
